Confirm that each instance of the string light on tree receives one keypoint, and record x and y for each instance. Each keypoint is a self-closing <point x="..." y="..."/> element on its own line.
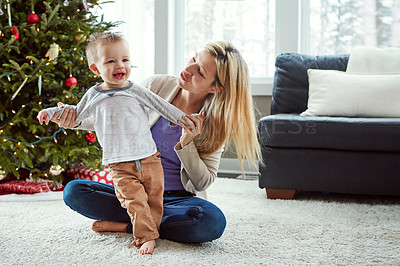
<point x="37" y="73"/>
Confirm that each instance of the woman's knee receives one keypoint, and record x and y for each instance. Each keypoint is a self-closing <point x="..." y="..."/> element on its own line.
<point x="209" y="223"/>
<point x="216" y="223"/>
<point x="71" y="193"/>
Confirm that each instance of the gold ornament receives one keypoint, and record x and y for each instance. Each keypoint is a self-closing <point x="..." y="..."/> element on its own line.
<point x="56" y="169"/>
<point x="52" y="53"/>
<point x="80" y="38"/>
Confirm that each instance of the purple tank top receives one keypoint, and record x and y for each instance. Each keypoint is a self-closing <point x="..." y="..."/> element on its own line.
<point x="166" y="136"/>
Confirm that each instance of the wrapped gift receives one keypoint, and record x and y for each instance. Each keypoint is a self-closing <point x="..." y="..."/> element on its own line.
<point x="81" y="172"/>
<point x="29" y="186"/>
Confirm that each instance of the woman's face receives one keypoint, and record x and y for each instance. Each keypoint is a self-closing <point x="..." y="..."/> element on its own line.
<point x="199" y="74"/>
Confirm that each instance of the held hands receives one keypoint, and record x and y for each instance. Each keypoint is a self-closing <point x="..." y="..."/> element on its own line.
<point x="67" y="119"/>
<point x="195" y="127"/>
<point x="43" y="117"/>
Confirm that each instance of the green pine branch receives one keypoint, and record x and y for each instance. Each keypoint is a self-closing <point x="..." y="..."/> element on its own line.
<point x="24" y="143"/>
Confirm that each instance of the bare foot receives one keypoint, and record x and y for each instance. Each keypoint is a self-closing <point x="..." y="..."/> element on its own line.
<point x="147" y="247"/>
<point x="135" y="244"/>
<point x="106" y="226"/>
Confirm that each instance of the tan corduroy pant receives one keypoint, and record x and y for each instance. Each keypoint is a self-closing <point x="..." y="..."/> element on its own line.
<point x="139" y="186"/>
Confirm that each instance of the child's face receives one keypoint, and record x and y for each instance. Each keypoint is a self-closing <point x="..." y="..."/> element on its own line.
<point x="113" y="64"/>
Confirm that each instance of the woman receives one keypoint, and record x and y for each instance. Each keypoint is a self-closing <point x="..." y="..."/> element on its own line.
<point x="215" y="85"/>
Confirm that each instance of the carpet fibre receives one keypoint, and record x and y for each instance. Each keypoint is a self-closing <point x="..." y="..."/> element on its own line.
<point x="312" y="229"/>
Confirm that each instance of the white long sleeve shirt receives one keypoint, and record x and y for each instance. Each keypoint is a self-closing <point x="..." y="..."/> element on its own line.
<point x="121" y="121"/>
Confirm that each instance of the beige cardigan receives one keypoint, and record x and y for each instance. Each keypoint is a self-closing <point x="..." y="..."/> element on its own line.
<point x="197" y="173"/>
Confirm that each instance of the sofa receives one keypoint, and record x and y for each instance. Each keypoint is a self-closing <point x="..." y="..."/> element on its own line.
<point x="333" y="154"/>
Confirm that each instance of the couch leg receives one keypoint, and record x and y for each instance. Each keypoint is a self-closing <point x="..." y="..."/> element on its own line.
<point x="280" y="193"/>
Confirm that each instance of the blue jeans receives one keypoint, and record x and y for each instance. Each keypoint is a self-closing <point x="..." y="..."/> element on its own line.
<point x="185" y="219"/>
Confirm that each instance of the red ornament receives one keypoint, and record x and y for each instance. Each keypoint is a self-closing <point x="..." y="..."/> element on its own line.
<point x="71" y="81"/>
<point x="15" y="32"/>
<point x="32" y="18"/>
<point x="90" y="137"/>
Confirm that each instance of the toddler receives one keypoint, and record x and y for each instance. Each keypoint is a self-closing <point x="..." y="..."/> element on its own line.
<point x="121" y="124"/>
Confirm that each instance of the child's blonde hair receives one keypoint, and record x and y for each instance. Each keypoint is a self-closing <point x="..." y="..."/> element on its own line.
<point x="100" y="38"/>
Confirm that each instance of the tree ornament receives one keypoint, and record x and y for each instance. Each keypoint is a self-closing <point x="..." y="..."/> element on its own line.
<point x="52" y="53"/>
<point x="84" y="5"/>
<point x="9" y="14"/>
<point x="32" y="18"/>
<point x="90" y="137"/>
<point x="15" y="32"/>
<point x="80" y="38"/>
<point x="56" y="169"/>
<point x="71" y="81"/>
<point x="21" y="143"/>
<point x="19" y="89"/>
<point x="66" y="3"/>
<point x="40" y="85"/>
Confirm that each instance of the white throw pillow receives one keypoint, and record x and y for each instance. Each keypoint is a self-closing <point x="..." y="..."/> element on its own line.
<point x="337" y="93"/>
<point x="366" y="59"/>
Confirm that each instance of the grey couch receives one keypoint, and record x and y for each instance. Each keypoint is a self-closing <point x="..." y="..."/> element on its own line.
<point x="327" y="154"/>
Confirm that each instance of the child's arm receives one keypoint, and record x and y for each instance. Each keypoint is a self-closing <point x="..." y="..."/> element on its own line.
<point x="158" y="104"/>
<point x="81" y="109"/>
<point x="47" y="114"/>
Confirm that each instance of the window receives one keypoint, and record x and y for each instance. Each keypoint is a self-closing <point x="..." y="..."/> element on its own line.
<point x="249" y="25"/>
<point x="137" y="17"/>
<point x="163" y="34"/>
<point x="337" y="26"/>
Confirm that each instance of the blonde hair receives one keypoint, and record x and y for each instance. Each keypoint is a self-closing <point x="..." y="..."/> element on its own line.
<point x="230" y="111"/>
<point x="100" y="38"/>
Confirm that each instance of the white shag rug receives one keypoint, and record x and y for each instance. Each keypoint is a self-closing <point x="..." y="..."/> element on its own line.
<point x="311" y="230"/>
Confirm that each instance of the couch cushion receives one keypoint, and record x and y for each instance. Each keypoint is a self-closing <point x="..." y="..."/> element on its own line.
<point x="366" y="59"/>
<point x="290" y="91"/>
<point x="336" y="133"/>
<point x="338" y="93"/>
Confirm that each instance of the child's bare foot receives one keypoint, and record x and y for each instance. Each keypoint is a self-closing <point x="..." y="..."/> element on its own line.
<point x="135" y="244"/>
<point x="147" y="247"/>
<point x="106" y="226"/>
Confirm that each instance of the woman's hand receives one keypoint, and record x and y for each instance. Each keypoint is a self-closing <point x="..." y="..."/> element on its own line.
<point x="195" y="127"/>
<point x="67" y="119"/>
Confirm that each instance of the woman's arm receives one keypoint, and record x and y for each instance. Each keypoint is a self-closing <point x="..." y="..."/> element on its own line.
<point x="198" y="172"/>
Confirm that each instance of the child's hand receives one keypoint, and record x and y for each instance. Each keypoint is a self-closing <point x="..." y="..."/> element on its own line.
<point x="68" y="117"/>
<point x="43" y="117"/>
<point x="194" y="128"/>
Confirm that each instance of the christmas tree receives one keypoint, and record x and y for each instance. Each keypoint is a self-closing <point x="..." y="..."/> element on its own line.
<point x="42" y="54"/>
